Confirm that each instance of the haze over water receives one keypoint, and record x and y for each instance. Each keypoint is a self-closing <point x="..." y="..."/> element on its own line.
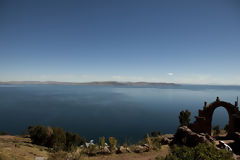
<point x="94" y="111"/>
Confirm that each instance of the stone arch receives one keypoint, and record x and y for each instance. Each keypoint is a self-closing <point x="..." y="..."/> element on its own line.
<point x="203" y="122"/>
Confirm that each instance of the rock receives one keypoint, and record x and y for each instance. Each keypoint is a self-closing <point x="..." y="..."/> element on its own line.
<point x="165" y="141"/>
<point x="186" y="136"/>
<point x="104" y="150"/>
<point x="140" y="149"/>
<point x="122" y="149"/>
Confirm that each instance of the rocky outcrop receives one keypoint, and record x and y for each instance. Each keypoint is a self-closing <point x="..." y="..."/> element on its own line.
<point x="104" y="150"/>
<point x="123" y="149"/>
<point x="141" y="148"/>
<point x="186" y="136"/>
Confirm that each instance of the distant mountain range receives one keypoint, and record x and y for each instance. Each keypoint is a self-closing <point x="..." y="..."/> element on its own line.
<point x="102" y="83"/>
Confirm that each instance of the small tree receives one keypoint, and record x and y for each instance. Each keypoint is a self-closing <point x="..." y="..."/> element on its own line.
<point x="216" y="130"/>
<point x="102" y="141"/>
<point x="112" y="143"/>
<point x="184" y="118"/>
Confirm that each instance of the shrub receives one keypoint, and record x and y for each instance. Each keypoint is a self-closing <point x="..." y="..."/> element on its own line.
<point x="55" y="138"/>
<point x="226" y="127"/>
<point x="155" y="133"/>
<point x="38" y="134"/>
<point x="102" y="142"/>
<point x="72" y="141"/>
<point x="216" y="130"/>
<point x="112" y="142"/>
<point x="199" y="152"/>
<point x="58" y="139"/>
<point x="184" y="118"/>
<point x="92" y="149"/>
<point x="156" y="143"/>
<point x="149" y="142"/>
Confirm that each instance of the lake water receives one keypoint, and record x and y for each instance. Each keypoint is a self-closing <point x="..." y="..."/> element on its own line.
<point x="94" y="111"/>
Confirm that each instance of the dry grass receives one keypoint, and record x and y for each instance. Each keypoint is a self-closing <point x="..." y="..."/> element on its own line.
<point x="14" y="147"/>
<point x="134" y="156"/>
<point x="18" y="148"/>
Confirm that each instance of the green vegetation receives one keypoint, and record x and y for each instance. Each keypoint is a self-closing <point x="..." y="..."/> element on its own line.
<point x="226" y="127"/>
<point x="112" y="143"/>
<point x="216" y="130"/>
<point x="184" y="118"/>
<point x="55" y="138"/>
<point x="155" y="133"/>
<point x="199" y="152"/>
<point x="102" y="141"/>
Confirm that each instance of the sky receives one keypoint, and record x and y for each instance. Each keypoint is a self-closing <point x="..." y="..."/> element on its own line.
<point x="187" y="41"/>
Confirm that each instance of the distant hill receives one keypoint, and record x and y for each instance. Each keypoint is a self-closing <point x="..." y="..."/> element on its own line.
<point x="102" y="83"/>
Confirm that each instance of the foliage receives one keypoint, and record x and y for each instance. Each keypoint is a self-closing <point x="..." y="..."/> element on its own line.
<point x="226" y="127"/>
<point x="149" y="142"/>
<point x="58" y="139"/>
<point x="72" y="141"/>
<point x="156" y="143"/>
<point x="102" y="141"/>
<point x="155" y="133"/>
<point x="112" y="142"/>
<point x="38" y="134"/>
<point x="55" y="138"/>
<point x="92" y="149"/>
<point x="184" y="118"/>
<point x="199" y="152"/>
<point x="216" y="130"/>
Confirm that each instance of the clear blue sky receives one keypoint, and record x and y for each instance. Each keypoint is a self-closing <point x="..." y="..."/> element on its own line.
<point x="194" y="41"/>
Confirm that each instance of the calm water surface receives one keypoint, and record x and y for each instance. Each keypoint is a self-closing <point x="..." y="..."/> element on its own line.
<point x="94" y="111"/>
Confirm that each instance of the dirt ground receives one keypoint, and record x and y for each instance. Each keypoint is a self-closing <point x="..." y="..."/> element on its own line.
<point x="134" y="156"/>
<point x="19" y="148"/>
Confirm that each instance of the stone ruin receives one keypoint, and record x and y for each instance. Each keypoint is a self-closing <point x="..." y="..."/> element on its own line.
<point x="203" y="122"/>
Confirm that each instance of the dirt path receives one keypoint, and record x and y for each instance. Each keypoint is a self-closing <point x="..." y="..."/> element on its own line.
<point x="134" y="156"/>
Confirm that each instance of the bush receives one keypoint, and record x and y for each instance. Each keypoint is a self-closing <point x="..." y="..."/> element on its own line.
<point x="58" y="139"/>
<point x="226" y="127"/>
<point x="38" y="134"/>
<point x="55" y="138"/>
<point x="199" y="152"/>
<point x="102" y="142"/>
<point x="112" y="143"/>
<point x="155" y="133"/>
<point x="149" y="142"/>
<point x="72" y="141"/>
<point x="184" y="118"/>
<point x="216" y="130"/>
<point x="157" y="143"/>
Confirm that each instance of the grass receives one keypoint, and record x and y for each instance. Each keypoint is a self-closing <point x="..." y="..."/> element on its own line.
<point x="15" y="147"/>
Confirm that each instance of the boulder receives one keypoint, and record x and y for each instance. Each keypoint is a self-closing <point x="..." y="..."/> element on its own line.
<point x="165" y="141"/>
<point x="122" y="149"/>
<point x="186" y="136"/>
<point x="141" y="148"/>
<point x="104" y="150"/>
